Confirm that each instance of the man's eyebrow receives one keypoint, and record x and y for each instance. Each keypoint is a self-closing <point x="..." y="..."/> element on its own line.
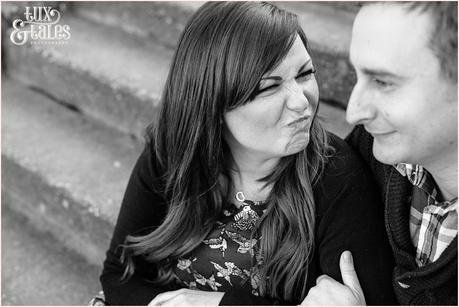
<point x="380" y="73"/>
<point x="277" y="78"/>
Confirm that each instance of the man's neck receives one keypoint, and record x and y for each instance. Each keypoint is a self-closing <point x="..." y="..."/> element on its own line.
<point x="444" y="172"/>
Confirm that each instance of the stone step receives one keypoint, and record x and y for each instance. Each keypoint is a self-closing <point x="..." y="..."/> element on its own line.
<point x="162" y="21"/>
<point x="106" y="74"/>
<point x="37" y="271"/>
<point x="327" y="24"/>
<point x="61" y="170"/>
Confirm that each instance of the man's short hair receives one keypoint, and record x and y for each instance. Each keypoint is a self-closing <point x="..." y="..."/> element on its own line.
<point x="443" y="38"/>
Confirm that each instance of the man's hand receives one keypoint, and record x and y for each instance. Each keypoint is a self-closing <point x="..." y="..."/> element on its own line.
<point x="187" y="297"/>
<point x="330" y="292"/>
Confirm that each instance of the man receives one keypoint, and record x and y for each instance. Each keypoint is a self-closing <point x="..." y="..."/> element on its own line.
<point x="405" y="107"/>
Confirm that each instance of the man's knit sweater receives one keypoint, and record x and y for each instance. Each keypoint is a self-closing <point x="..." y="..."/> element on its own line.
<point x="432" y="284"/>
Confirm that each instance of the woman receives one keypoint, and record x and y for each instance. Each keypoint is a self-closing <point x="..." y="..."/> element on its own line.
<point x="240" y="196"/>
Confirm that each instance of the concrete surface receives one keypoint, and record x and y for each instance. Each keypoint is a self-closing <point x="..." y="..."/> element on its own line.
<point x="37" y="271"/>
<point x="159" y="21"/>
<point x="108" y="75"/>
<point x="65" y="172"/>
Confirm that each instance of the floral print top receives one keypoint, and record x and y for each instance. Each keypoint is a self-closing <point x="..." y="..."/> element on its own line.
<point x="227" y="258"/>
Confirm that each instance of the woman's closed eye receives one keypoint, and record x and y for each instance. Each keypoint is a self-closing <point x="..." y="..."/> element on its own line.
<point x="267" y="88"/>
<point x="306" y="74"/>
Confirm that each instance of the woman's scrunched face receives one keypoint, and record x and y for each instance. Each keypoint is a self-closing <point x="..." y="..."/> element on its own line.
<point x="277" y="121"/>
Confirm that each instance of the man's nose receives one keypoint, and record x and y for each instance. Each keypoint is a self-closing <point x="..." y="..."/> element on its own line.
<point x="360" y="107"/>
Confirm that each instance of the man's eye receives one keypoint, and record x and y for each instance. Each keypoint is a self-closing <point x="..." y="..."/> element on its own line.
<point x="306" y="73"/>
<point x="382" y="83"/>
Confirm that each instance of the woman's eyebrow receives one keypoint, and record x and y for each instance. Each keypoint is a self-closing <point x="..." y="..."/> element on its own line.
<point x="277" y="78"/>
<point x="304" y="65"/>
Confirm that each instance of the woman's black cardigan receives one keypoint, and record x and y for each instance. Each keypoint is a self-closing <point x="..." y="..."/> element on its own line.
<point x="349" y="216"/>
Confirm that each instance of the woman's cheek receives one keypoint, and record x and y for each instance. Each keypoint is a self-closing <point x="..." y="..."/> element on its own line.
<point x="311" y="91"/>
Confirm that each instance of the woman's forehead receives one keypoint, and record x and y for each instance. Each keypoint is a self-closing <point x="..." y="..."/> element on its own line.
<point x="296" y="58"/>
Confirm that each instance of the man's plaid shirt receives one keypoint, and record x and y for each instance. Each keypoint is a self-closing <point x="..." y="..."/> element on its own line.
<point x="433" y="223"/>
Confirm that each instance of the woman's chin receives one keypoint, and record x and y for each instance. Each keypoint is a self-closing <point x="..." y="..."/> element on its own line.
<point x="298" y="143"/>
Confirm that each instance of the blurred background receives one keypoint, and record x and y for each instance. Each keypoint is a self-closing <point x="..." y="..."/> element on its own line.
<point x="72" y="121"/>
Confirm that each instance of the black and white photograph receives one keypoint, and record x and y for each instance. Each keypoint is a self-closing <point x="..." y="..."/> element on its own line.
<point x="229" y="153"/>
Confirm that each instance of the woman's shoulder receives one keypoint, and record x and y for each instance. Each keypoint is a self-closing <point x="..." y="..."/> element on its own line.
<point x="342" y="160"/>
<point x="343" y="176"/>
<point x="147" y="170"/>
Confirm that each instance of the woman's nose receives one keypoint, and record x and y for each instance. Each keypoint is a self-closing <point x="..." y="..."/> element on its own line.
<point x="296" y="98"/>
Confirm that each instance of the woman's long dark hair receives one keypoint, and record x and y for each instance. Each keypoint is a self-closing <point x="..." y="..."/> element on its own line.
<point x="221" y="57"/>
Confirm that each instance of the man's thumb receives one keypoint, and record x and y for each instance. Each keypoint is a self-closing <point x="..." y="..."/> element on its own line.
<point x="346" y="265"/>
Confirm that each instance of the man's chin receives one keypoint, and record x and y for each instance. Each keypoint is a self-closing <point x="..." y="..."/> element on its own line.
<point x="387" y="155"/>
